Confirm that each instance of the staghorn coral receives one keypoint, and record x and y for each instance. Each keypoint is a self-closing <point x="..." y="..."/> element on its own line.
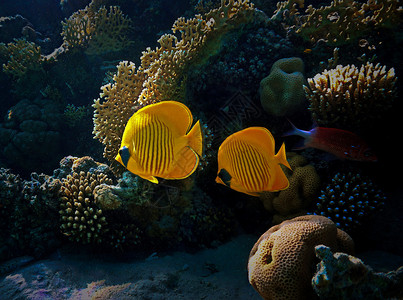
<point x="96" y="29"/>
<point x="348" y="200"/>
<point x="351" y="98"/>
<point x="81" y="219"/>
<point x="341" y="276"/>
<point x="304" y="185"/>
<point x="281" y="93"/>
<point x="163" y="71"/>
<point x="280" y="263"/>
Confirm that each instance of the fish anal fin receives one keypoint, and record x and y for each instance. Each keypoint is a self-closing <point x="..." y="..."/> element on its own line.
<point x="239" y="188"/>
<point x="186" y="162"/>
<point x="149" y="178"/>
<point x="280" y="181"/>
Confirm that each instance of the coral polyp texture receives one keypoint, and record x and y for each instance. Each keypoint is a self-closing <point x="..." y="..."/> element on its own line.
<point x="163" y="70"/>
<point x="281" y="92"/>
<point x="81" y="219"/>
<point x="340" y="276"/>
<point x="97" y="29"/>
<point x="343" y="21"/>
<point x="281" y="261"/>
<point x="349" y="199"/>
<point x="304" y="186"/>
<point x="351" y="97"/>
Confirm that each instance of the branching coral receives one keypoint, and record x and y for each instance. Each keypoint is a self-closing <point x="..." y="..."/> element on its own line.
<point x="351" y="98"/>
<point x="96" y="29"/>
<point x="304" y="185"/>
<point x="349" y="199"/>
<point x="21" y="56"/>
<point x="82" y="220"/>
<point x="280" y="263"/>
<point x="163" y="70"/>
<point x="340" y="22"/>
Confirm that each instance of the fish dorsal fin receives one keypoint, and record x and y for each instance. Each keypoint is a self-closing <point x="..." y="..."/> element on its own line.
<point x="175" y="115"/>
<point x="259" y="137"/>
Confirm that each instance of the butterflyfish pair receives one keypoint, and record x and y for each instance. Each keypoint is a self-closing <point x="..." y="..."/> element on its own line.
<point x="159" y="141"/>
<point x="247" y="162"/>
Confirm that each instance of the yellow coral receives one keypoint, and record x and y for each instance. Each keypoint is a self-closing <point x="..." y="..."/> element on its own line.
<point x="163" y="70"/>
<point x="304" y="184"/>
<point x="281" y="263"/>
<point x="22" y="56"/>
<point x="282" y="91"/>
<point x="82" y="220"/>
<point x="351" y="98"/>
<point x="97" y="29"/>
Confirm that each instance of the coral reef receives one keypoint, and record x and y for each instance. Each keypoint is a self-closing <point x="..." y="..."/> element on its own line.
<point x="304" y="185"/>
<point x="341" y="22"/>
<point x="352" y="98"/>
<point x="341" y="276"/>
<point x="28" y="213"/>
<point x="97" y="29"/>
<point x="349" y="200"/>
<point x="162" y="71"/>
<point x="30" y="134"/>
<point x="280" y="262"/>
<point x="22" y="57"/>
<point x="81" y="219"/>
<point x="281" y="92"/>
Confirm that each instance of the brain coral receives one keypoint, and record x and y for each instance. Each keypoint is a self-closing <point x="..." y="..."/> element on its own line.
<point x="304" y="185"/>
<point x="281" y="262"/>
<point x="281" y="93"/>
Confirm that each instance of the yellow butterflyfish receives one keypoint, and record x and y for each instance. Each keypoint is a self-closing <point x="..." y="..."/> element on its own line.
<point x="158" y="141"/>
<point x="248" y="164"/>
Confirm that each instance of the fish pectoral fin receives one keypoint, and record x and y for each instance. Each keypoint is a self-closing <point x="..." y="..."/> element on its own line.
<point x="186" y="162"/>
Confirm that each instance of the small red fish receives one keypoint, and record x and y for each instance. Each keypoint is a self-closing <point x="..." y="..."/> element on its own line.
<point x="341" y="143"/>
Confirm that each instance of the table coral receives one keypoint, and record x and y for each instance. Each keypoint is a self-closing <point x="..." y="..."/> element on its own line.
<point x="162" y="71"/>
<point x="341" y="276"/>
<point x="351" y="97"/>
<point x="280" y="263"/>
<point x="281" y="92"/>
<point x="304" y="185"/>
<point x="348" y="200"/>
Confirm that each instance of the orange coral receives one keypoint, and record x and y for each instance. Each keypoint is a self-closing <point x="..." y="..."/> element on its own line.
<point x="281" y="262"/>
<point x="304" y="184"/>
<point x="163" y="71"/>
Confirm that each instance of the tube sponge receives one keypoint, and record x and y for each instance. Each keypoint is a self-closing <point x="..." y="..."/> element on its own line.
<point x="282" y="92"/>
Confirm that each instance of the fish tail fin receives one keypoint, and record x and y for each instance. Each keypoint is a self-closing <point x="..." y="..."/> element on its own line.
<point x="281" y="157"/>
<point x="195" y="139"/>
<point x="296" y="131"/>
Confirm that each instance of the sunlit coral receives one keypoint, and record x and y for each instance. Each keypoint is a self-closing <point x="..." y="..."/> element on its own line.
<point x="351" y="97"/>
<point x="163" y="70"/>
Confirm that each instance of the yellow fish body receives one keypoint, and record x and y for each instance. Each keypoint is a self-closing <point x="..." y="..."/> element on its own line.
<point x="157" y="142"/>
<point x="247" y="162"/>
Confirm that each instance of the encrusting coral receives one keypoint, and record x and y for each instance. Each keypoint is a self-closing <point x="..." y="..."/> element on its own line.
<point x="282" y="92"/>
<point x="304" y="185"/>
<point x="348" y="200"/>
<point x="163" y="70"/>
<point x="351" y="98"/>
<point x="281" y="261"/>
<point x="340" y="276"/>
